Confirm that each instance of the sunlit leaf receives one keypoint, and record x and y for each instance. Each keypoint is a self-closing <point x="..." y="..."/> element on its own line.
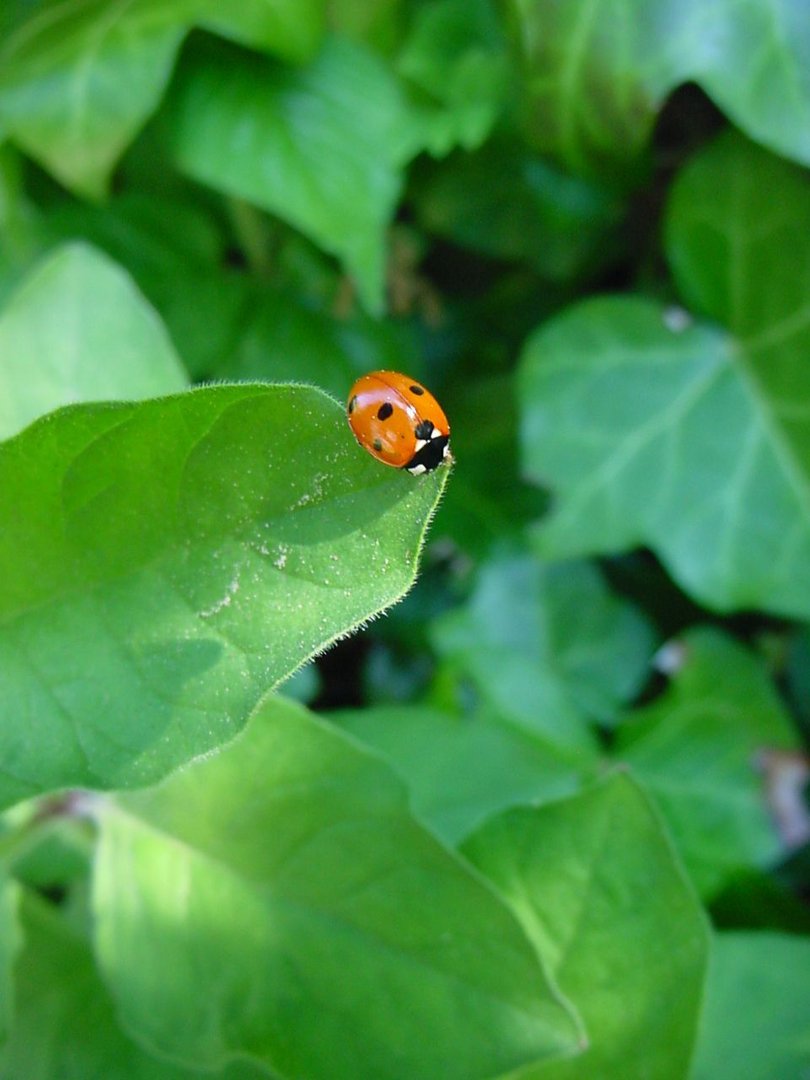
<point x="594" y="882"/>
<point x="324" y="932"/>
<point x="165" y="563"/>
<point x="65" y="1024"/>
<point x="686" y="437"/>
<point x="321" y="146"/>
<point x="77" y="330"/>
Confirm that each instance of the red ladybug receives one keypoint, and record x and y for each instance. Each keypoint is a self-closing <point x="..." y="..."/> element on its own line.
<point x="398" y="421"/>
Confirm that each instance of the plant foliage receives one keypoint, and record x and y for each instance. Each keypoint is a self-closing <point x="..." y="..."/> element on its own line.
<point x="548" y="817"/>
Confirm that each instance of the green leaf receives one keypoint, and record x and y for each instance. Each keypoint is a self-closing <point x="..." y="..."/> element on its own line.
<point x="594" y="882"/>
<point x="65" y="1025"/>
<point x="10" y="942"/>
<point x="753" y="59"/>
<point x="596" y="73"/>
<point x="165" y="563"/>
<point x="455" y="54"/>
<point x="461" y="769"/>
<point x="322" y="146"/>
<point x="755" y="1021"/>
<point x="325" y="933"/>
<point x="684" y="437"/>
<point x="738" y="240"/>
<point x="695" y="749"/>
<point x="547" y="645"/>
<point x="77" y="330"/>
<point x="78" y="81"/>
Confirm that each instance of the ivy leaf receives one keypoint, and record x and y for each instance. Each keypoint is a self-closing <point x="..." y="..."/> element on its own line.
<point x="595" y="883"/>
<point x="462" y="769"/>
<point x="77" y="330"/>
<point x="532" y="662"/>
<point x="695" y="748"/>
<point x="322" y="146"/>
<point x="683" y="436"/>
<point x="597" y="73"/>
<point x="325" y="933"/>
<point x="165" y="563"/>
<point x="455" y="54"/>
<point x="78" y="81"/>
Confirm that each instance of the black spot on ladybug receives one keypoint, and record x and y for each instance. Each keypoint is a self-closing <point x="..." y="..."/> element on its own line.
<point x="423" y="429"/>
<point x="377" y="444"/>
<point x="353" y="404"/>
<point x="385" y="410"/>
<point x="417" y="390"/>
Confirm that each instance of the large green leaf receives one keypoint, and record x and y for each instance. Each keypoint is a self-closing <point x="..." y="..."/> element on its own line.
<point x="322" y="146"/>
<point x="10" y="942"/>
<point x="77" y="330"/>
<point x="461" y="769"/>
<point x="78" y="80"/>
<point x="324" y="932"/>
<point x="596" y="72"/>
<point x="164" y="563"/>
<point x="594" y="881"/>
<point x="547" y="645"/>
<point x="65" y="1026"/>
<point x="695" y="748"/>
<point x="756" y="1023"/>
<point x="693" y="440"/>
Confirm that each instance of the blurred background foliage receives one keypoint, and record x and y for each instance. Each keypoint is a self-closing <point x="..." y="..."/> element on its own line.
<point x="586" y="227"/>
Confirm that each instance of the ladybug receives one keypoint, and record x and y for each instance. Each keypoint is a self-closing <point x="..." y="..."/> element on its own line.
<point x="398" y="421"/>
